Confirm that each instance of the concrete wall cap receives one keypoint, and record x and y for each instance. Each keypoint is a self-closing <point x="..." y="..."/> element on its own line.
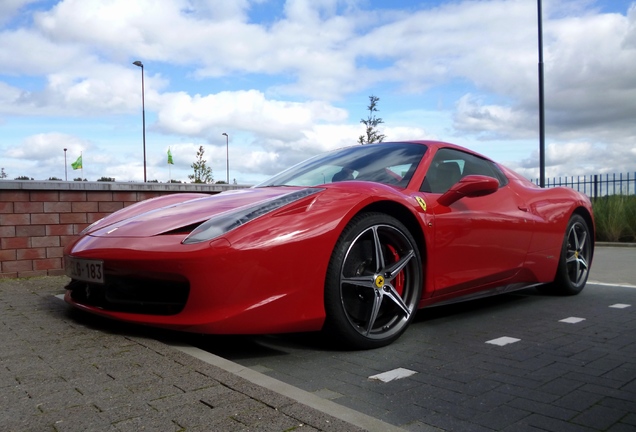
<point x="52" y="185"/>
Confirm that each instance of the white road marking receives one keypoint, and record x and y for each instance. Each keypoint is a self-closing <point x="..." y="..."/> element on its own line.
<point x="611" y="284"/>
<point x="394" y="374"/>
<point x="620" y="306"/>
<point x="572" y="320"/>
<point x="505" y="340"/>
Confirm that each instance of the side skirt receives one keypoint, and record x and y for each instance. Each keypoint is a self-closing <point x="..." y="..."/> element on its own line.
<point x="487" y="293"/>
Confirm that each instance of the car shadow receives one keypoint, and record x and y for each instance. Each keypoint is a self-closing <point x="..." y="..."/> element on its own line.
<point x="240" y="347"/>
<point x="476" y="306"/>
<point x="246" y="347"/>
<point x="226" y="346"/>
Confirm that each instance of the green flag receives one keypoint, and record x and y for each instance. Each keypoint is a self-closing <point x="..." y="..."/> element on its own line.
<point x="170" y="161"/>
<point x="78" y="163"/>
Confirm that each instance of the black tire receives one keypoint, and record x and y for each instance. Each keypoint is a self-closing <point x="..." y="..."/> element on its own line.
<point x="373" y="284"/>
<point x="575" y="259"/>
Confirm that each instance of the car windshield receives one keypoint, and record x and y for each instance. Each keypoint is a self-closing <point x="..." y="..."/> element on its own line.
<point x="387" y="163"/>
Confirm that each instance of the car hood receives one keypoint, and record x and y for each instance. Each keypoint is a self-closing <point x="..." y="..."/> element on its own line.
<point x="155" y="217"/>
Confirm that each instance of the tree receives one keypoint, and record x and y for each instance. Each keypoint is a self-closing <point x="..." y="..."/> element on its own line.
<point x="202" y="172"/>
<point x="371" y="123"/>
<point x="106" y="179"/>
<point x="3" y="175"/>
<point x="24" y="178"/>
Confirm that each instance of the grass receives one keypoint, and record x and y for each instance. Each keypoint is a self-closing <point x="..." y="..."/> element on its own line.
<point x="615" y="217"/>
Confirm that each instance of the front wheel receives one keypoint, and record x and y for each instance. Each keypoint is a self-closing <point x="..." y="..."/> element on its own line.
<point x="575" y="259"/>
<point x="374" y="282"/>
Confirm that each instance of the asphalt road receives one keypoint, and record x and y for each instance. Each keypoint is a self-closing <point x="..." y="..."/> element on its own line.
<point x="516" y="362"/>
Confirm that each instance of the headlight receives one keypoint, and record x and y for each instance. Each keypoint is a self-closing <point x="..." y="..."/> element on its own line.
<point x="226" y="222"/>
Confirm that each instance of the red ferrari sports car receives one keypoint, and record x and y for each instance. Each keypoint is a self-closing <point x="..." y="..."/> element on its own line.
<point x="352" y="242"/>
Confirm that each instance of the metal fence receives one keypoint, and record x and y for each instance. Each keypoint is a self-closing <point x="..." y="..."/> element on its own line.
<point x="597" y="185"/>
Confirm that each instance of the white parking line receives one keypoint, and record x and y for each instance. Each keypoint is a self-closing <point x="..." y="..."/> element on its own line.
<point x="393" y="375"/>
<point x="505" y="340"/>
<point x="572" y="320"/>
<point x="611" y="284"/>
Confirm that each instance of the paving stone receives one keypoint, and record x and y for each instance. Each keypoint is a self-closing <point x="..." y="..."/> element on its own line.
<point x="418" y="426"/>
<point x="501" y="417"/>
<point x="622" y="372"/>
<point x="621" y="427"/>
<point x="61" y="371"/>
<point x="560" y="386"/>
<point x="575" y="377"/>
<point x="629" y="419"/>
<point x="126" y="409"/>
<point x="620" y="404"/>
<point x="553" y="425"/>
<point x="155" y="422"/>
<point x="80" y="418"/>
<point x="61" y="400"/>
<point x="318" y="419"/>
<point x="451" y="423"/>
<point x="548" y="410"/>
<point x="599" y="417"/>
<point x="488" y="401"/>
<point x="523" y="392"/>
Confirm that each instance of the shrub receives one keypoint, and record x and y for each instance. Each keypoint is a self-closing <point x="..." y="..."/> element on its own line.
<point x="615" y="217"/>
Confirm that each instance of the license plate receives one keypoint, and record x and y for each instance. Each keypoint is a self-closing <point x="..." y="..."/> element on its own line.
<point x="84" y="269"/>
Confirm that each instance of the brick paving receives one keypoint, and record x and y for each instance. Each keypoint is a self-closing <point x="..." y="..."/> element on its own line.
<point x="61" y="370"/>
<point x="573" y="375"/>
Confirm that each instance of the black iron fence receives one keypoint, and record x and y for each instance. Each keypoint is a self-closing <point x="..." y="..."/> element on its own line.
<point x="596" y="185"/>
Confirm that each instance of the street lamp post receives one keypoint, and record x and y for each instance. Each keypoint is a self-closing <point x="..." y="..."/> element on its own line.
<point x="227" y="157"/>
<point x="143" y="111"/>
<point x="541" y="101"/>
<point x="65" y="170"/>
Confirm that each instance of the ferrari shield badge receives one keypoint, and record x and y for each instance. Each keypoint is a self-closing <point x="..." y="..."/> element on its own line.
<point x="421" y="202"/>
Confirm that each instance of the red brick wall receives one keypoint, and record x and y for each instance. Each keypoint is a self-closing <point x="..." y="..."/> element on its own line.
<point x="35" y="225"/>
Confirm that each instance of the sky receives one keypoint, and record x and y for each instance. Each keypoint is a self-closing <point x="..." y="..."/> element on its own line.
<point x="287" y="79"/>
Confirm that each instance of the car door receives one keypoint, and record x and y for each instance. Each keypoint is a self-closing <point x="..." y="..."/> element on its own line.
<point x="477" y="241"/>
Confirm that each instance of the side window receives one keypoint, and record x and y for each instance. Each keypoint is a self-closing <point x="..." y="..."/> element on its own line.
<point x="479" y="166"/>
<point x="450" y="165"/>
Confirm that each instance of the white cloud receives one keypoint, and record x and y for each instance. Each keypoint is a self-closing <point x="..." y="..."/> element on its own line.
<point x="41" y="156"/>
<point x="45" y="146"/>
<point x="283" y="85"/>
<point x="248" y="111"/>
<point x="494" y="121"/>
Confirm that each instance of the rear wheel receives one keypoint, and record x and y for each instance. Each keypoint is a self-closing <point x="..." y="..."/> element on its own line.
<point x="575" y="259"/>
<point x="374" y="282"/>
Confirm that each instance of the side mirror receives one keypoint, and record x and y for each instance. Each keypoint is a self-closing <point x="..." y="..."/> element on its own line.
<point x="469" y="186"/>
